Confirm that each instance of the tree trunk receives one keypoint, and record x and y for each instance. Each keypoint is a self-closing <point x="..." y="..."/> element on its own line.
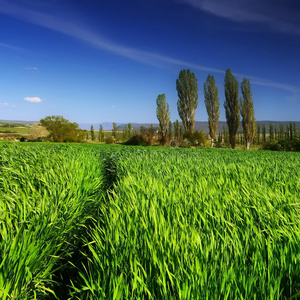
<point x="211" y="143"/>
<point x="248" y="145"/>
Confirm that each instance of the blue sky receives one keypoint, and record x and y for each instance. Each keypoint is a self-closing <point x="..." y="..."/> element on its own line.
<point x="95" y="61"/>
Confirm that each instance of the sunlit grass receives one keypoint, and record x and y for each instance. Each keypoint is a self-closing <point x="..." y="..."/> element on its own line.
<point x="114" y="222"/>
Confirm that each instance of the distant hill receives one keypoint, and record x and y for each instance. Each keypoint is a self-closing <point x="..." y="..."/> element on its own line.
<point x="18" y="122"/>
<point x="199" y="125"/>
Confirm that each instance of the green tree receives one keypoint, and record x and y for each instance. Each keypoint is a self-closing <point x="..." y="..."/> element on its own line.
<point x="151" y="135"/>
<point x="177" y="130"/>
<point x="231" y="105"/>
<point x="271" y="132"/>
<point x="212" y="104"/>
<point x="295" y="133"/>
<point x="170" y="131"/>
<point x="247" y="112"/>
<point x="92" y="133"/>
<point x="37" y="132"/>
<point x="291" y="131"/>
<point x="143" y="131"/>
<point x="281" y="132"/>
<point x="115" y="130"/>
<point x="62" y="130"/>
<point x="101" y="134"/>
<point x="163" y="116"/>
<point x="187" y="89"/>
<point x="264" y="133"/>
<point x="125" y="132"/>
<point x="129" y="130"/>
<point x="258" y="133"/>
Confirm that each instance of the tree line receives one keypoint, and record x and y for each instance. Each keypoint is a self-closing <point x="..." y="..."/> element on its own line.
<point x="187" y="90"/>
<point x="238" y="109"/>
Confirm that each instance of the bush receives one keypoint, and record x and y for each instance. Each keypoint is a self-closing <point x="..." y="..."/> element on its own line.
<point x="137" y="140"/>
<point x="283" y="145"/>
<point x="196" y="138"/>
<point x="110" y="140"/>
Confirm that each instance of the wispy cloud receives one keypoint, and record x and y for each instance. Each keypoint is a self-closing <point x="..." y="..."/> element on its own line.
<point x="31" y="68"/>
<point x="33" y="99"/>
<point x="7" y="105"/>
<point x="10" y="46"/>
<point x="240" y="11"/>
<point x="278" y="15"/>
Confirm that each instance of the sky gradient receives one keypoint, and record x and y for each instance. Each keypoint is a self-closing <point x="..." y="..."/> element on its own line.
<point x="95" y="61"/>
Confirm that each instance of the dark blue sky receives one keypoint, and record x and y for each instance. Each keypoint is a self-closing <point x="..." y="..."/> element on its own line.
<point x="96" y="61"/>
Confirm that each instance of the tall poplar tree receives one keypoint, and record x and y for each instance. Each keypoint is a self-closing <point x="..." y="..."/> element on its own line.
<point x="212" y="104"/>
<point x="231" y="105"/>
<point x="271" y="132"/>
<point x="92" y="133"/>
<point x="101" y="134"/>
<point x="258" y="133"/>
<point x="177" y="130"/>
<point x="170" y="131"/>
<point x="163" y="116"/>
<point x="115" y="130"/>
<point x="247" y="112"/>
<point x="129" y="129"/>
<point x="187" y="89"/>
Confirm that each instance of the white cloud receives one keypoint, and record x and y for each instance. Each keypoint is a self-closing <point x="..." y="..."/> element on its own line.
<point x="33" y="99"/>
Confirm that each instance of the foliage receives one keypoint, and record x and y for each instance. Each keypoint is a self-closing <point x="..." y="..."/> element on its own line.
<point x="101" y="134"/>
<point x="110" y="140"/>
<point x="196" y="138"/>
<point x="62" y="130"/>
<point x="247" y="112"/>
<point x="187" y="90"/>
<point x="92" y="133"/>
<point x="212" y="104"/>
<point x="115" y="131"/>
<point x="37" y="131"/>
<point x="231" y="105"/>
<point x="163" y="116"/>
<point x="137" y="140"/>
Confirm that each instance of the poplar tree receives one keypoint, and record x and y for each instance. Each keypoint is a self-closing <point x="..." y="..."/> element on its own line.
<point x="129" y="129"/>
<point x="115" y="130"/>
<point x="264" y="133"/>
<point x="125" y="132"/>
<point x="92" y="133"/>
<point x="170" y="131"/>
<point x="187" y="89"/>
<point x="281" y="131"/>
<point x="271" y="132"/>
<point x="212" y="104"/>
<point x="101" y="134"/>
<point x="247" y="112"/>
<point x="163" y="116"/>
<point x="258" y="133"/>
<point x="177" y="130"/>
<point x="231" y="105"/>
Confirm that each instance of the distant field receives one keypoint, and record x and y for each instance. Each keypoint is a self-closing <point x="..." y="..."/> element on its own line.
<point x="90" y="221"/>
<point x="17" y="130"/>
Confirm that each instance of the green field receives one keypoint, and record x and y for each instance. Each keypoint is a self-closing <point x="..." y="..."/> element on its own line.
<point x="88" y="221"/>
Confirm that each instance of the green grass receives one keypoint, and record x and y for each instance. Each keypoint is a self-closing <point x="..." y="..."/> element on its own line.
<point x="116" y="222"/>
<point x="16" y="130"/>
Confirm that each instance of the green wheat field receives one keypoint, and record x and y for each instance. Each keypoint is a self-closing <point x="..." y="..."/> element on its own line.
<point x="86" y="221"/>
